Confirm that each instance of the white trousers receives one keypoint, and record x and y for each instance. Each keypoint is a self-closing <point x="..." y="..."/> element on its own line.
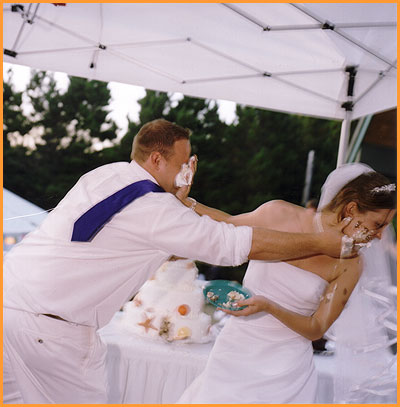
<point x="46" y="360"/>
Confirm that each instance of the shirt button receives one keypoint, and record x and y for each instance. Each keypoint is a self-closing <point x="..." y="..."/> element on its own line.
<point x="40" y="340"/>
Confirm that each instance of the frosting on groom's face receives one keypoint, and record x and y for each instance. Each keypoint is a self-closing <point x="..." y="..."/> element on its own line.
<point x="173" y="165"/>
<point x="185" y="175"/>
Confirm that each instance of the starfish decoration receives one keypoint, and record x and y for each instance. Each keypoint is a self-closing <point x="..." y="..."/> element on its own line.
<point x="146" y="324"/>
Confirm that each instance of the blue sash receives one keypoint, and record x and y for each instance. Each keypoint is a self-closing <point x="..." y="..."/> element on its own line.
<point x="86" y="227"/>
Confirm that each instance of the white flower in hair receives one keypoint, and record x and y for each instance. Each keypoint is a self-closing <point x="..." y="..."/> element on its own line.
<point x="385" y="188"/>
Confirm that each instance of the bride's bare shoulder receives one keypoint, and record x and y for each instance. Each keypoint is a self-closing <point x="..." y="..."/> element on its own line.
<point x="279" y="207"/>
<point x="276" y="214"/>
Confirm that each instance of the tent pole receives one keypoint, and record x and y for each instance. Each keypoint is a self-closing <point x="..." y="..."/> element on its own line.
<point x="353" y="150"/>
<point x="344" y="139"/>
<point x="308" y="177"/>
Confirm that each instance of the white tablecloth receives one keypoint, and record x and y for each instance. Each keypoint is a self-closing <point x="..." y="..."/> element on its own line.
<point x="144" y="371"/>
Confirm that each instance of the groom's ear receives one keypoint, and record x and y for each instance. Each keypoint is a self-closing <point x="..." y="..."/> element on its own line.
<point x="155" y="160"/>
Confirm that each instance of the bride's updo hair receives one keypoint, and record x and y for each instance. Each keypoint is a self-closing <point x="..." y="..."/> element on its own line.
<point x="367" y="192"/>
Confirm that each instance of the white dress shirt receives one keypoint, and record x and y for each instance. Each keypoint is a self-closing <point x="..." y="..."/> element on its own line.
<point x="88" y="282"/>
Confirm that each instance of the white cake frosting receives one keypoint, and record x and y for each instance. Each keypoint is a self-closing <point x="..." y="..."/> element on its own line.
<point x="170" y="306"/>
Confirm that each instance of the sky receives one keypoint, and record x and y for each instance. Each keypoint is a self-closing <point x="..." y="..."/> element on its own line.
<point x="124" y="96"/>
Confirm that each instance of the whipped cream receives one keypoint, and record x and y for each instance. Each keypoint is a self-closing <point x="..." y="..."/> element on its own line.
<point x="185" y="175"/>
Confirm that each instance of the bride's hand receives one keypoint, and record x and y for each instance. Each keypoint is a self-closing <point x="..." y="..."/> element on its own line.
<point x="183" y="192"/>
<point x="255" y="304"/>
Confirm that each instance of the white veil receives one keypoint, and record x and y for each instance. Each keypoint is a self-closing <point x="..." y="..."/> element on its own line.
<point x="366" y="329"/>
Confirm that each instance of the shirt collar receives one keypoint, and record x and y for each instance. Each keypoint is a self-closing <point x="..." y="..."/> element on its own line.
<point x="139" y="170"/>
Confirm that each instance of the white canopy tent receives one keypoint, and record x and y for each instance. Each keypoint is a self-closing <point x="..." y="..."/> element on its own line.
<point x="19" y="218"/>
<point x="18" y="214"/>
<point x="327" y="60"/>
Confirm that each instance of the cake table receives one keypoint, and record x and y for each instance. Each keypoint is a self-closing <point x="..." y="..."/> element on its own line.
<point x="143" y="371"/>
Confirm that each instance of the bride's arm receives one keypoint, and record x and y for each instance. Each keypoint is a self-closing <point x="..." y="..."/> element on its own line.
<point x="201" y="210"/>
<point x="247" y="219"/>
<point x="332" y="303"/>
<point x="268" y="215"/>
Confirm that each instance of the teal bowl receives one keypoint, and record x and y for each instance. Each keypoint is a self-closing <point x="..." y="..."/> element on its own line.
<point x="222" y="288"/>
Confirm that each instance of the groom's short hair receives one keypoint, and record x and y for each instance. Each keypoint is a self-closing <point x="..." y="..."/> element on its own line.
<point x="157" y="135"/>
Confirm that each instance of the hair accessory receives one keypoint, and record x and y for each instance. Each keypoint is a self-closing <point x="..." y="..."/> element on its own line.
<point x="384" y="188"/>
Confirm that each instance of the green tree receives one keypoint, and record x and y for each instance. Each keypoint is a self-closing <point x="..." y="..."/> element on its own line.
<point x="16" y="162"/>
<point x="65" y="127"/>
<point x="153" y="105"/>
<point x="322" y="136"/>
<point x="266" y="157"/>
<point x="262" y="156"/>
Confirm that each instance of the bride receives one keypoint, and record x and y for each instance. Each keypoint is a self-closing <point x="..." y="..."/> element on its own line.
<point x="264" y="354"/>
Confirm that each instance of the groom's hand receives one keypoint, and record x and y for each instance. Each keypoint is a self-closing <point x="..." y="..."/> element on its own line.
<point x="335" y="243"/>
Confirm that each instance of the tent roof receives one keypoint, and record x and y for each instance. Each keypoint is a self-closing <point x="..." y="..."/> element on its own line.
<point x="15" y="206"/>
<point x="278" y="56"/>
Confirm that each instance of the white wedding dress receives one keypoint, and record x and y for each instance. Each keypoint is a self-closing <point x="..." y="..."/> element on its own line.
<point x="257" y="359"/>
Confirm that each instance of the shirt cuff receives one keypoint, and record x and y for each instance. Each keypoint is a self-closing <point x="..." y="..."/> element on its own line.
<point x="244" y="240"/>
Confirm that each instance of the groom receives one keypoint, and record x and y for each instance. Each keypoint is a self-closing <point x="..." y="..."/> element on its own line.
<point x="111" y="231"/>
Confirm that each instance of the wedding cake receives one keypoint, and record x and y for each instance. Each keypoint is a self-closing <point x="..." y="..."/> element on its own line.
<point x="170" y="306"/>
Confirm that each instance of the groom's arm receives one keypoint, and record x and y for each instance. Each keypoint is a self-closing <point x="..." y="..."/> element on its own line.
<point x="274" y="245"/>
<point x="270" y="244"/>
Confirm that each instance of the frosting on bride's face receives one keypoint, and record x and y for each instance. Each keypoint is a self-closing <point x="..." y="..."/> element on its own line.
<point x="370" y="224"/>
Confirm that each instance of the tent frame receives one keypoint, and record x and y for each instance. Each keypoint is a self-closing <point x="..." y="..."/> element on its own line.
<point x="30" y="16"/>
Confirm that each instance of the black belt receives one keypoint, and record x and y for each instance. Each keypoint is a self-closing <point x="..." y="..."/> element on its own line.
<point x="55" y="317"/>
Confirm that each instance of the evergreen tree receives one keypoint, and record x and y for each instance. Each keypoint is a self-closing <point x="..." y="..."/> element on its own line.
<point x="322" y="136"/>
<point x="266" y="155"/>
<point x="153" y="105"/>
<point x="16" y="162"/>
<point x="65" y="127"/>
<point x="261" y="157"/>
